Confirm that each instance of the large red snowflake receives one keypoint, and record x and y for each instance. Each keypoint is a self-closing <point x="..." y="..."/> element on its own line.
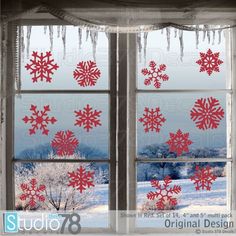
<point x="81" y="179"/>
<point x="165" y="195"/>
<point x="203" y="178"/>
<point x="207" y="113"/>
<point x="152" y="119"/>
<point x="155" y="74"/>
<point x="88" y="118"/>
<point x="87" y="73"/>
<point x="39" y="119"/>
<point x="32" y="192"/>
<point x="209" y="62"/>
<point x="65" y="143"/>
<point x="179" y="142"/>
<point x="42" y="67"/>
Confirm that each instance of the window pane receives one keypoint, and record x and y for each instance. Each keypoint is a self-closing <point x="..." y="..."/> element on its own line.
<point x="52" y="180"/>
<point x="187" y="195"/>
<point x="62" y="137"/>
<point x="157" y="130"/>
<point x="63" y="76"/>
<point x="182" y="74"/>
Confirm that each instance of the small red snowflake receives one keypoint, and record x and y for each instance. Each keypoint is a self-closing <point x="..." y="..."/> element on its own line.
<point x="81" y="179"/>
<point x="155" y="74"/>
<point x="65" y="143"/>
<point x="203" y="178"/>
<point x="88" y="118"/>
<point x="164" y="194"/>
<point x="179" y="142"/>
<point x="42" y="67"/>
<point x="32" y="192"/>
<point x="207" y="113"/>
<point x="209" y="62"/>
<point x="87" y="73"/>
<point x="39" y="119"/>
<point x="152" y="119"/>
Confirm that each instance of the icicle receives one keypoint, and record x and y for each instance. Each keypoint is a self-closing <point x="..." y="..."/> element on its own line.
<point x="63" y="35"/>
<point x="16" y="55"/>
<point x="197" y="36"/>
<point x="145" y="35"/>
<point x="107" y="34"/>
<point x="94" y="39"/>
<point x="58" y="31"/>
<point x="213" y="37"/>
<point x="176" y="32"/>
<point x="219" y="34"/>
<point x="181" y="42"/>
<point x="45" y="29"/>
<point x="208" y="35"/>
<point x="162" y="31"/>
<point x="87" y="34"/>
<point x="168" y="38"/>
<point x="22" y="34"/>
<point x="28" y="39"/>
<point x="51" y="37"/>
<point x="204" y="32"/>
<point x="139" y="42"/>
<point x="80" y="37"/>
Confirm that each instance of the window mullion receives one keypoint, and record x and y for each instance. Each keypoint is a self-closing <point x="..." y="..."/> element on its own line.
<point x="10" y="190"/>
<point x="122" y="130"/>
<point x="113" y="127"/>
<point x="132" y="55"/>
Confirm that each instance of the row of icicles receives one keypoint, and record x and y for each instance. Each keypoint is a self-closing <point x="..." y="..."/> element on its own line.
<point x="141" y="39"/>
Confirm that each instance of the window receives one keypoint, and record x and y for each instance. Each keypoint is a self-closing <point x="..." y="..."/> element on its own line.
<point x="176" y="142"/>
<point x="145" y="130"/>
<point x="61" y="154"/>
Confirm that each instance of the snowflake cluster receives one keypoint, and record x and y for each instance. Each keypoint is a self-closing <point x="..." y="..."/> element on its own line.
<point x="179" y="142"/>
<point x="207" y="113"/>
<point x="81" y="179"/>
<point x="39" y="120"/>
<point x="152" y="119"/>
<point x="164" y="194"/>
<point x="65" y="143"/>
<point x="32" y="192"/>
<point x="203" y="178"/>
<point x="209" y="62"/>
<point x="155" y="74"/>
<point x="42" y="67"/>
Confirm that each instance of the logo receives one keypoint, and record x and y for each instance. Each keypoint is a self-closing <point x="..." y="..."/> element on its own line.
<point x="15" y="222"/>
<point x="11" y="222"/>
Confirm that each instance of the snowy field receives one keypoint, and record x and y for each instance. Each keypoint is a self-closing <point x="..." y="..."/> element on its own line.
<point x="190" y="201"/>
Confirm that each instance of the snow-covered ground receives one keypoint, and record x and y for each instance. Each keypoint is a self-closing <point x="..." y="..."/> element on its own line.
<point x="190" y="200"/>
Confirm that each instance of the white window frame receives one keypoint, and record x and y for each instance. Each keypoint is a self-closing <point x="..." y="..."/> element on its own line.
<point x="123" y="131"/>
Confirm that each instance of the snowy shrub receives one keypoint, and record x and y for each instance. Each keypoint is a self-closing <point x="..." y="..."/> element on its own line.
<point x="58" y="195"/>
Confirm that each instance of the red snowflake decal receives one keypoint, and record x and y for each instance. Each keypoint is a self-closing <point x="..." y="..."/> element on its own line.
<point x="81" y="179"/>
<point x="39" y="119"/>
<point x="87" y="73"/>
<point x="65" y="143"/>
<point x="209" y="62"/>
<point x="152" y="119"/>
<point x="42" y="67"/>
<point x="203" y="178"/>
<point x="207" y="113"/>
<point x="88" y="118"/>
<point x="179" y="142"/>
<point x="164" y="194"/>
<point x="32" y="192"/>
<point x="155" y="74"/>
